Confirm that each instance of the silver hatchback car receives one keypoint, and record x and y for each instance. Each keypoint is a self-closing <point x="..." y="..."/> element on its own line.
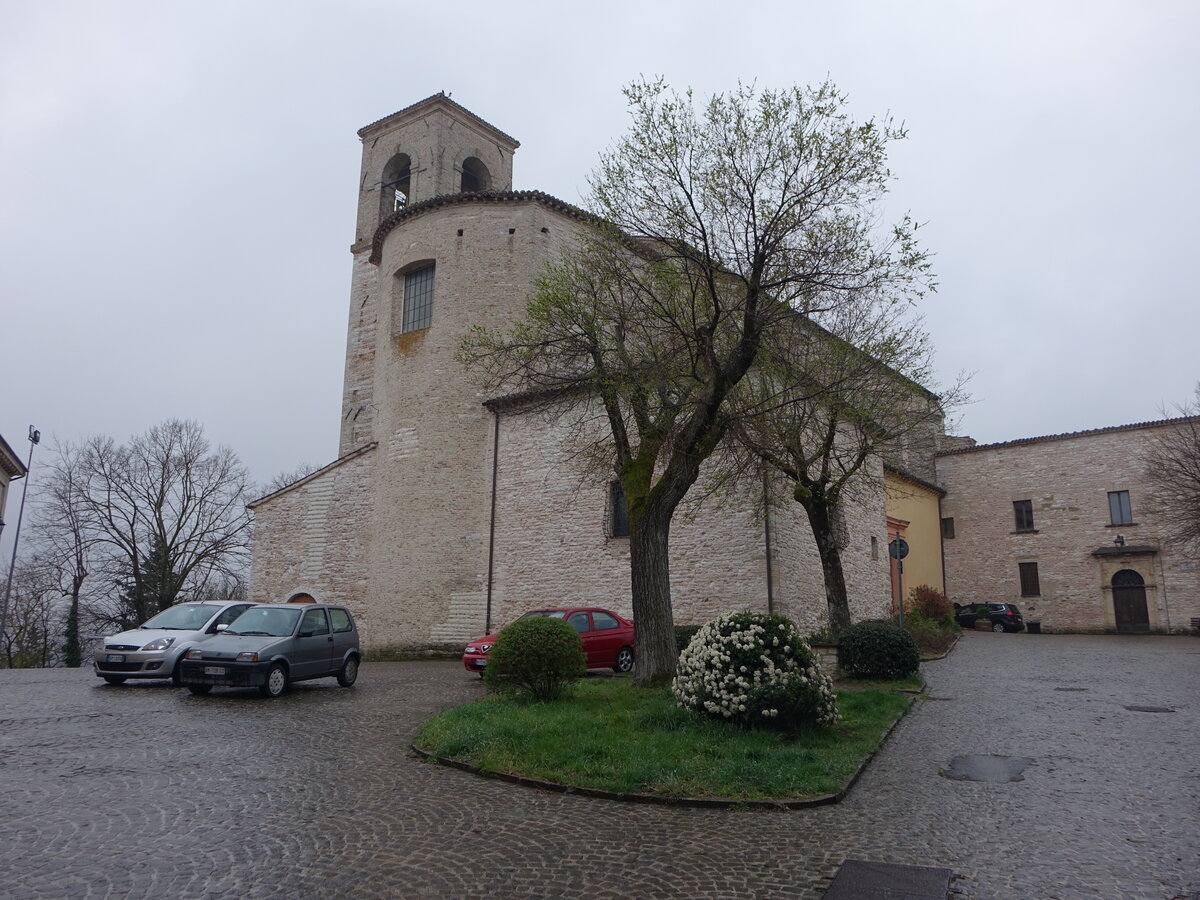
<point x="273" y="644"/>
<point x="152" y="650"/>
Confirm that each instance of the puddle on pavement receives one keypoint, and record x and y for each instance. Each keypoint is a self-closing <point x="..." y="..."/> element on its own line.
<point x="1152" y="709"/>
<point x="988" y="768"/>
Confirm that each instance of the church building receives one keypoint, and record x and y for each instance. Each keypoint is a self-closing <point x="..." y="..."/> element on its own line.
<point x="450" y="512"/>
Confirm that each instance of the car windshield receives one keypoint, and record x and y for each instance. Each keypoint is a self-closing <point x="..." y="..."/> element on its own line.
<point x="265" y="621"/>
<point x="185" y="617"/>
<point x="545" y="614"/>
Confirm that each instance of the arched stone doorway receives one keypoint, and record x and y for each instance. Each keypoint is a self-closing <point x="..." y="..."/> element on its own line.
<point x="302" y="598"/>
<point x="1129" y="602"/>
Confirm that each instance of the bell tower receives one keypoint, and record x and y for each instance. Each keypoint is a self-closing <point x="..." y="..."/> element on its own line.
<point x="430" y="149"/>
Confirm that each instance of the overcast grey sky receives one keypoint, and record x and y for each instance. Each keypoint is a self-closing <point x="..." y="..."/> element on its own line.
<point x="177" y="186"/>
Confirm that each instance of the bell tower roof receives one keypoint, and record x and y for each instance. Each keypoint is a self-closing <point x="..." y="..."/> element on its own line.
<point x="437" y="101"/>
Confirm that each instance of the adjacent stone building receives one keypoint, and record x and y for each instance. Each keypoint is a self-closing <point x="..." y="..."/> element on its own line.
<point x="1064" y="527"/>
<point x="449" y="512"/>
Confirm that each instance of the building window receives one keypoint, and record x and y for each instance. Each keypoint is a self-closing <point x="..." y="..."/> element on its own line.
<point x="1023" y="513"/>
<point x="948" y="528"/>
<point x="418" y="299"/>
<point x="1118" y="508"/>
<point x="475" y="176"/>
<point x="618" y="511"/>
<point x="874" y="547"/>
<point x="1030" y="586"/>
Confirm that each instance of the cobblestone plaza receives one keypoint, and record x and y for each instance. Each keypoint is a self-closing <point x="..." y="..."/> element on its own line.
<point x="145" y="790"/>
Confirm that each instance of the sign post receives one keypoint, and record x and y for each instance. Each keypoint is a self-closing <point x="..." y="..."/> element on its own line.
<point x="897" y="550"/>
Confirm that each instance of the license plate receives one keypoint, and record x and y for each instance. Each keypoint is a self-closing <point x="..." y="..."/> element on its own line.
<point x="480" y="663"/>
<point x="214" y="670"/>
<point x="114" y="657"/>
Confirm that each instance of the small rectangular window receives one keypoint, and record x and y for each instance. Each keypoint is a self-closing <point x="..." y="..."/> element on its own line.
<point x="1118" y="508"/>
<point x="418" y="299"/>
<point x="948" y="528"/>
<point x="1030" y="587"/>
<point x="1023" y="514"/>
<point x="341" y="620"/>
<point x="618" y="511"/>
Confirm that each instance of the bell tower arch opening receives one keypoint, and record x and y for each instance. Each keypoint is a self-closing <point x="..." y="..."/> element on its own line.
<point x="395" y="185"/>
<point x="475" y="176"/>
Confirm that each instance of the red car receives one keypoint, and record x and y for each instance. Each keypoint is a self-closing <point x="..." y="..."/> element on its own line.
<point x="607" y="638"/>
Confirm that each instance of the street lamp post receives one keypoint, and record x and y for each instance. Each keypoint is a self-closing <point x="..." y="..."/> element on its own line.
<point x="34" y="437"/>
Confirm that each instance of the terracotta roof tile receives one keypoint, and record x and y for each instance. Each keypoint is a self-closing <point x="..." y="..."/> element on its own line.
<point x="1067" y="435"/>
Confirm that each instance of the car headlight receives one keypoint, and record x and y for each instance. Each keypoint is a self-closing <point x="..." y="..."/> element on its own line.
<point x="247" y="656"/>
<point x="160" y="644"/>
<point x="194" y="654"/>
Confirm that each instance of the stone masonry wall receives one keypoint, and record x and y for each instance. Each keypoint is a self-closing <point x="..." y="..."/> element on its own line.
<point x="553" y="547"/>
<point x="1068" y="479"/>
<point x="313" y="539"/>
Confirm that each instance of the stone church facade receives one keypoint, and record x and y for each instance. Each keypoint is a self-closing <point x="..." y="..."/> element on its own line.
<point x="449" y="512"/>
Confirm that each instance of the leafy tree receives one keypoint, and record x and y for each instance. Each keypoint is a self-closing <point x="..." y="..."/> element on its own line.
<point x="712" y="228"/>
<point x="1173" y="464"/>
<point x="824" y="406"/>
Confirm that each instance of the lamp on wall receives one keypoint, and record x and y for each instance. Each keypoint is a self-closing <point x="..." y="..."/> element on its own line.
<point x="1119" y="540"/>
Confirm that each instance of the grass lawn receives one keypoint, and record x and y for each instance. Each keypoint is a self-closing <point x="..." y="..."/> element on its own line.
<point x="616" y="737"/>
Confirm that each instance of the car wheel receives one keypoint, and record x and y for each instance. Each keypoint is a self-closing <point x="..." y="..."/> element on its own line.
<point x="276" y="682"/>
<point x="349" y="673"/>
<point x="115" y="679"/>
<point x="177" y="674"/>
<point x="997" y="627"/>
<point x="199" y="689"/>
<point x="624" y="661"/>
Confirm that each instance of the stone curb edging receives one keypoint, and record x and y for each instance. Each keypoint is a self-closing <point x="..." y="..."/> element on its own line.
<point x="949" y="650"/>
<point x="690" y="802"/>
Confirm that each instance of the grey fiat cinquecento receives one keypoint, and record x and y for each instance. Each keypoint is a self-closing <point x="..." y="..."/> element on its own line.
<point x="271" y="645"/>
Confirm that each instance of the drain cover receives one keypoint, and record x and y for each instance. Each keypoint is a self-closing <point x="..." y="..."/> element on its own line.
<point x="1149" y="709"/>
<point x="1070" y="689"/>
<point x="984" y="767"/>
<point x="858" y="879"/>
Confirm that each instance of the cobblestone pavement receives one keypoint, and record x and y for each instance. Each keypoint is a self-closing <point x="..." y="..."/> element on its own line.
<point x="145" y="790"/>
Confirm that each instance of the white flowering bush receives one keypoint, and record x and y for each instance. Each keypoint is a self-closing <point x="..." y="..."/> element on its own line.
<point x="755" y="670"/>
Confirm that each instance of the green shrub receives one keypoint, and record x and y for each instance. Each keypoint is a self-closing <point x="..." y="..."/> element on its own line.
<point x="684" y="635"/>
<point x="756" y="671"/>
<point x="540" y="655"/>
<point x="931" y="603"/>
<point x="932" y="637"/>
<point x="878" y="650"/>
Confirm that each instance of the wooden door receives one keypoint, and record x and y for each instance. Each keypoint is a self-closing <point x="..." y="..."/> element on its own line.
<point x="1129" y="602"/>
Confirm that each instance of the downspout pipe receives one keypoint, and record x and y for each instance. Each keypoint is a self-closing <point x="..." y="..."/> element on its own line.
<point x="492" y="520"/>
<point x="770" y="561"/>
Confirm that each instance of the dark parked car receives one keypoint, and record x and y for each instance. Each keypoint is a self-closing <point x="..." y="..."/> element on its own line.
<point x="273" y="644"/>
<point x="607" y="638"/>
<point x="1000" y="616"/>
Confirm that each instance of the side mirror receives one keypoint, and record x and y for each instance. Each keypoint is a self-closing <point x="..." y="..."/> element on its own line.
<point x="306" y="634"/>
<point x="221" y="627"/>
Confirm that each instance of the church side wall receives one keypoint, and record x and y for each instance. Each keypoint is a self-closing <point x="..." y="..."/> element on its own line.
<point x="553" y="548"/>
<point x="313" y="538"/>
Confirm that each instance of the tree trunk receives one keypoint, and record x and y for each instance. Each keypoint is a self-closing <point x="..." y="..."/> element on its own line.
<point x="650" y="579"/>
<point x="820" y="520"/>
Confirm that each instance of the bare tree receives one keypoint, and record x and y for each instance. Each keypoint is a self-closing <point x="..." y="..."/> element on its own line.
<point x="65" y="538"/>
<point x="162" y="515"/>
<point x="1173" y="464"/>
<point x="710" y="229"/>
<point x="31" y="637"/>
<point x="283" y="479"/>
